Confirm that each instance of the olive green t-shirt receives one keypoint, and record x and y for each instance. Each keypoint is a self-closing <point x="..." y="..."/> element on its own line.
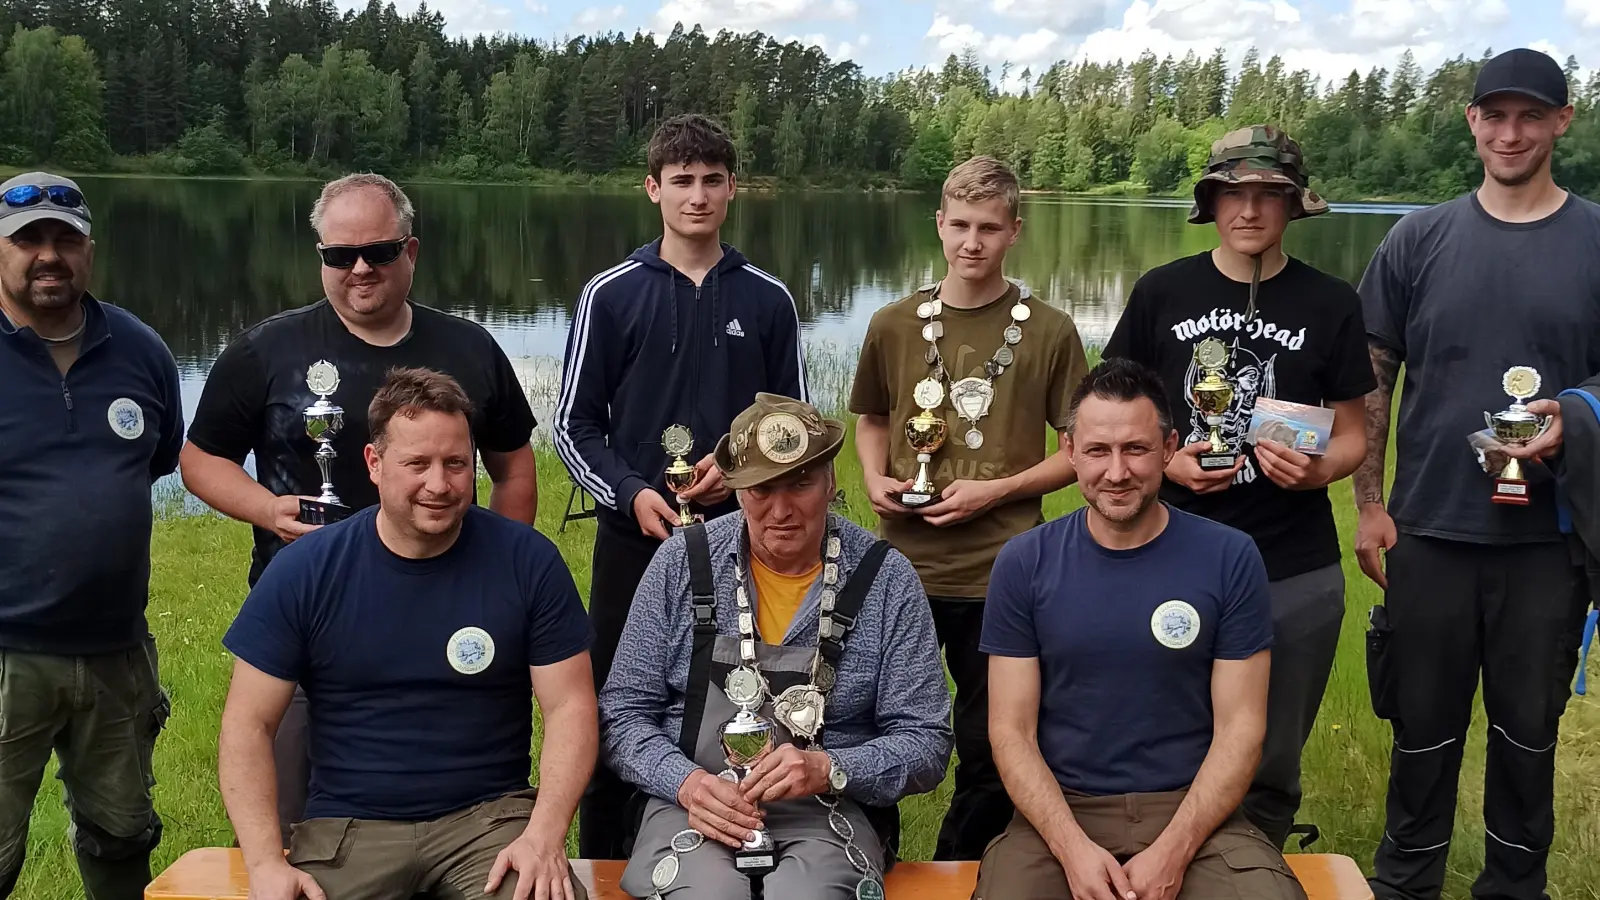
<point x="1031" y="398"/>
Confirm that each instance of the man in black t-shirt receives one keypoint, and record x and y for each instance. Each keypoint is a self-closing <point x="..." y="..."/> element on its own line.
<point x="1292" y="333"/>
<point x="256" y="394"/>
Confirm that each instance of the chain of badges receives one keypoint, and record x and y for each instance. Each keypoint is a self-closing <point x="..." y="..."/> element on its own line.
<point x="799" y="708"/>
<point x="870" y="887"/>
<point x="973" y="396"/>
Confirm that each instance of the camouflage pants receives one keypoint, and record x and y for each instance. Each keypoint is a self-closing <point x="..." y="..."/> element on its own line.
<point x="100" y="715"/>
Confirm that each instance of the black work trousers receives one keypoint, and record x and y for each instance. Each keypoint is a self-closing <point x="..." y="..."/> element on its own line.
<point x="1515" y="613"/>
<point x="621" y="554"/>
<point x="980" y="808"/>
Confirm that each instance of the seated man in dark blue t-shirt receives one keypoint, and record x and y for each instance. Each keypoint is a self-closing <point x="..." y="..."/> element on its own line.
<point x="1128" y="671"/>
<point x="415" y="628"/>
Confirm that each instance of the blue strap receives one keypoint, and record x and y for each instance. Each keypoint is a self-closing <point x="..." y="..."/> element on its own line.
<point x="1583" y="656"/>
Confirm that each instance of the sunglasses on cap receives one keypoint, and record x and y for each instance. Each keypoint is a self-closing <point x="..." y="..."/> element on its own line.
<point x="344" y="256"/>
<point x="25" y="195"/>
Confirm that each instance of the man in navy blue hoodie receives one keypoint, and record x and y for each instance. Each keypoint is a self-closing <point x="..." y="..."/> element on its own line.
<point x="684" y="332"/>
<point x="91" y="418"/>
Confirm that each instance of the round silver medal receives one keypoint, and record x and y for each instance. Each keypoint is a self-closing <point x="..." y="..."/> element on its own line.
<point x="687" y="841"/>
<point x="743" y="686"/>
<point x="925" y="310"/>
<point x="1004" y="356"/>
<point x="974" y="439"/>
<point x="1013" y="334"/>
<point x="665" y="873"/>
<point x="1021" y="312"/>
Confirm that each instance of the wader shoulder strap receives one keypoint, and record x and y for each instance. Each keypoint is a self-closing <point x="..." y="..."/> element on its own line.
<point x="849" y="605"/>
<point x="704" y="589"/>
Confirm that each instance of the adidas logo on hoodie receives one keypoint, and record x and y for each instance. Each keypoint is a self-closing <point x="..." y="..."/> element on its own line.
<point x="735" y="329"/>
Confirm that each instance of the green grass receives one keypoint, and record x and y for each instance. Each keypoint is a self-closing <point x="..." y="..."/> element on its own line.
<point x="198" y="583"/>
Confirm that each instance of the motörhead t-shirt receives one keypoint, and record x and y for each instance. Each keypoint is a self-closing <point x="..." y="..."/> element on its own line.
<point x="256" y="394"/>
<point x="1307" y="344"/>
<point x="1126" y="642"/>
<point x="1030" y="402"/>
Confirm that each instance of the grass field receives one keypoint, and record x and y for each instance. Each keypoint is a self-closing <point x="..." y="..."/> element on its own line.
<point x="198" y="583"/>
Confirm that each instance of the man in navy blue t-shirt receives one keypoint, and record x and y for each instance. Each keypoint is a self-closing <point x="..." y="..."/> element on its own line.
<point x="1129" y="654"/>
<point x="414" y="627"/>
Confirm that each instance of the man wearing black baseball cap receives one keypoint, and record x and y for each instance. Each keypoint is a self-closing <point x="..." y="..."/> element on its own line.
<point x="91" y="417"/>
<point x="1474" y="296"/>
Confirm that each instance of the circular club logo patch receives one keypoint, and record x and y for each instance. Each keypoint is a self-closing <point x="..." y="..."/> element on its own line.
<point x="1175" y="624"/>
<point x="470" y="650"/>
<point x="126" y="418"/>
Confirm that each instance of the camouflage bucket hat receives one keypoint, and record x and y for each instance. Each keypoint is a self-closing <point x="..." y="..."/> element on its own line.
<point x="1259" y="154"/>
<point x="774" y="437"/>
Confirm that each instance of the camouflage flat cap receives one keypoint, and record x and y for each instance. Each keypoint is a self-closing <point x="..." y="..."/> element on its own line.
<point x="1258" y="154"/>
<point x="774" y="437"/>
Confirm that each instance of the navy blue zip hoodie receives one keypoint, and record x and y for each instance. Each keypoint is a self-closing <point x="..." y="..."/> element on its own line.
<point x="78" y="456"/>
<point x="649" y="348"/>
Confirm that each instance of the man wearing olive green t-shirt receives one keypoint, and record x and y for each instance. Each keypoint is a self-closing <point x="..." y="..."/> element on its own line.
<point x="1005" y="365"/>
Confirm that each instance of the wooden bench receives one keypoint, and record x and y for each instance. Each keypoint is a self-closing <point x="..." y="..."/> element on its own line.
<point x="218" y="873"/>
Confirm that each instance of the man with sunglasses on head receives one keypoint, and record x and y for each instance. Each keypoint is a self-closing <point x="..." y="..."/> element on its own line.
<point x="259" y="387"/>
<point x="92" y="416"/>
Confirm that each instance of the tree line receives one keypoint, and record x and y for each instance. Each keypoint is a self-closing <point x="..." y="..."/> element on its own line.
<point x="297" y="87"/>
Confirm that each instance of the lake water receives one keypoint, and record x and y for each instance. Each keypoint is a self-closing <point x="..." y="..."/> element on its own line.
<point x="202" y="260"/>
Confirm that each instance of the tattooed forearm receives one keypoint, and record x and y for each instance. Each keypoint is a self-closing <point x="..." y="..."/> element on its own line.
<point x="1369" y="478"/>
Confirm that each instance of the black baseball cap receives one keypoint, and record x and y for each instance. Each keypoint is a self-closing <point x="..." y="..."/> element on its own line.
<point x="1523" y="71"/>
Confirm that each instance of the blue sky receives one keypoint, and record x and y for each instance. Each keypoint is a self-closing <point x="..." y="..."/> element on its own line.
<point x="1327" y="36"/>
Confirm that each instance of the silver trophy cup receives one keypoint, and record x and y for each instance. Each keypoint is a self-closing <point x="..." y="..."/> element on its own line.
<point x="324" y="421"/>
<point x="747" y="738"/>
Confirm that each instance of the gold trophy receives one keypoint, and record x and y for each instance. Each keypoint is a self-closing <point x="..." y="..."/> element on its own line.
<point x="1515" y="426"/>
<point x="926" y="433"/>
<point x="678" y="440"/>
<point x="1213" y="394"/>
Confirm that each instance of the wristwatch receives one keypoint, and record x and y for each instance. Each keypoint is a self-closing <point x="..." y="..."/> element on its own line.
<point x="838" y="779"/>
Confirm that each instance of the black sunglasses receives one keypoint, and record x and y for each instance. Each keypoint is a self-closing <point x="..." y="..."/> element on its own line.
<point x="26" y="195"/>
<point x="344" y="256"/>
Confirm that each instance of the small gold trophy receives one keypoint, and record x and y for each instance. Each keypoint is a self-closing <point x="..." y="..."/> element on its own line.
<point x="1515" y="425"/>
<point x="926" y="433"/>
<point x="1213" y="394"/>
<point x="678" y="440"/>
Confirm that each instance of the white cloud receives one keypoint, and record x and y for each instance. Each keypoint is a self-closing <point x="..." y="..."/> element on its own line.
<point x="1062" y="15"/>
<point x="750" y="15"/>
<point x="1584" y="13"/>
<point x="598" y="17"/>
<point x="837" y="52"/>
<point x="1034" y="49"/>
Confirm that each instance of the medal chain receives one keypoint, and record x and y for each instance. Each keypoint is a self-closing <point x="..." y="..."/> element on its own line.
<point x="993" y="367"/>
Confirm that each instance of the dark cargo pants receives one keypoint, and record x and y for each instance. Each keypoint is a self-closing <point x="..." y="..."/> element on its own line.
<point x="100" y="715"/>
<point x="450" y="857"/>
<point x="1236" y="861"/>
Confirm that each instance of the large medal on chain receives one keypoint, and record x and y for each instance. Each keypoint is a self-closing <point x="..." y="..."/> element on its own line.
<point x="744" y="687"/>
<point x="800" y="710"/>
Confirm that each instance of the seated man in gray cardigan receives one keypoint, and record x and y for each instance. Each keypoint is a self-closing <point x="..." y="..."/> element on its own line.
<point x="778" y="687"/>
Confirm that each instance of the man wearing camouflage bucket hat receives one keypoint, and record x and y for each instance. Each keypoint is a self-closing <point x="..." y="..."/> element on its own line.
<point x="786" y="620"/>
<point x="1290" y="333"/>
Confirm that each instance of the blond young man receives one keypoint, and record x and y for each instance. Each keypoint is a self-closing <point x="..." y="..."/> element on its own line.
<point x="998" y="366"/>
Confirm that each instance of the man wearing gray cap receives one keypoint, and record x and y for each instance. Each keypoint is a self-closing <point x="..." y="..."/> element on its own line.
<point x="92" y="417"/>
<point x="1487" y="300"/>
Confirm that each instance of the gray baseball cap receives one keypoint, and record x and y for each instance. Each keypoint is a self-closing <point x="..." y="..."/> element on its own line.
<point x="45" y="204"/>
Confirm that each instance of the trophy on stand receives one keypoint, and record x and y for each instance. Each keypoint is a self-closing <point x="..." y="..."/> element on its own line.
<point x="1515" y="425"/>
<point x="1213" y="394"/>
<point x="926" y="433"/>
<point x="747" y="738"/>
<point x="677" y="440"/>
<point x="324" y="421"/>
